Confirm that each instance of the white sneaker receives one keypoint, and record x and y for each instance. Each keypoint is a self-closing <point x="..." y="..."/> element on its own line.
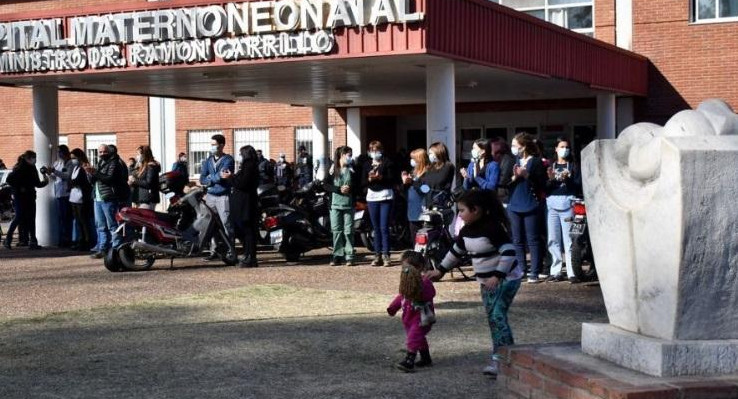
<point x="492" y="370"/>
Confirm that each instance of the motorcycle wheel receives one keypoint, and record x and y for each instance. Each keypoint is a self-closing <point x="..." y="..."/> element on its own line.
<point x="112" y="262"/>
<point x="292" y="256"/>
<point x="129" y="260"/>
<point x="582" y="261"/>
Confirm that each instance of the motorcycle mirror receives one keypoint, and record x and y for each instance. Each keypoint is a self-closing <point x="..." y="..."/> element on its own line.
<point x="425" y="189"/>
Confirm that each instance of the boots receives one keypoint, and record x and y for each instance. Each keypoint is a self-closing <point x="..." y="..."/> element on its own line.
<point x="425" y="359"/>
<point x="408" y="364"/>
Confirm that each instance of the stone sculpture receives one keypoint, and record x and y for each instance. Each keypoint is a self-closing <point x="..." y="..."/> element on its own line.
<point x="662" y="208"/>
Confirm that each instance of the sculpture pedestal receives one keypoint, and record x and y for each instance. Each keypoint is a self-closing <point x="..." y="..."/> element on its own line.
<point x="660" y="357"/>
<point x="563" y="371"/>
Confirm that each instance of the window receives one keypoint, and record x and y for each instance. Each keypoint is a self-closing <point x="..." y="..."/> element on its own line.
<point x="257" y="138"/>
<point x="198" y="148"/>
<point x="64" y="140"/>
<point x="714" y="10"/>
<point x="576" y="15"/>
<point x="304" y="136"/>
<point x="93" y="141"/>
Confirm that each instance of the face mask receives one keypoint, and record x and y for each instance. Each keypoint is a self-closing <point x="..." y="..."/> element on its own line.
<point x="214" y="149"/>
<point x="432" y="157"/>
<point x="104" y="156"/>
<point x="138" y="158"/>
<point x="475" y="153"/>
<point x="282" y="159"/>
<point x="515" y="151"/>
<point x="563" y="152"/>
<point x="183" y="159"/>
<point x="349" y="160"/>
<point x="376" y="155"/>
<point x="239" y="158"/>
<point x="75" y="162"/>
<point x="413" y="163"/>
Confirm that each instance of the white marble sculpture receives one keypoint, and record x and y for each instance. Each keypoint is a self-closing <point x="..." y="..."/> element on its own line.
<point x="662" y="205"/>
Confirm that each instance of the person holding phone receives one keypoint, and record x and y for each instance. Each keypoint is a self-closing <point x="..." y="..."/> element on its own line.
<point x="215" y="175"/>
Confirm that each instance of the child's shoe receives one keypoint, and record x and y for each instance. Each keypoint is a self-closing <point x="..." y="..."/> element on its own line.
<point x="492" y="370"/>
<point x="408" y="364"/>
<point x="425" y="359"/>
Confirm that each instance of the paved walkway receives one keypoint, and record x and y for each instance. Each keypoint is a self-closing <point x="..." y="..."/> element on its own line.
<point x="70" y="328"/>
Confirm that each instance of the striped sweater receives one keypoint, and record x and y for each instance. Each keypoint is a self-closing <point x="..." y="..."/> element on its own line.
<point x="490" y="249"/>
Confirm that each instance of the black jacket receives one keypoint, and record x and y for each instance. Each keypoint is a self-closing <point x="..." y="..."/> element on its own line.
<point x="24" y="180"/>
<point x="145" y="189"/>
<point x="111" y="177"/>
<point x="244" y="200"/>
<point x="507" y="163"/>
<point x="83" y="183"/>
<point x="386" y="170"/>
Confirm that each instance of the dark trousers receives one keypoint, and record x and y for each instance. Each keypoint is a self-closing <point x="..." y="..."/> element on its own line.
<point x="82" y="219"/>
<point x="379" y="212"/>
<point x="525" y="230"/>
<point x="65" y="219"/>
<point x="24" y="220"/>
<point x="249" y="232"/>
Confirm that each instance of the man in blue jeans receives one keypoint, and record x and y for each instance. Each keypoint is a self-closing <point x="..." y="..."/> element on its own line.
<point x="109" y="181"/>
<point x="215" y="173"/>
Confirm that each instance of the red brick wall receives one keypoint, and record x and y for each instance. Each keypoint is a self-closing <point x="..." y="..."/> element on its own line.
<point x="691" y="63"/>
<point x="604" y="20"/>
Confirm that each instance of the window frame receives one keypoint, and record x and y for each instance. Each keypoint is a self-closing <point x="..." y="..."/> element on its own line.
<point x="260" y="143"/>
<point x="97" y="139"/>
<point x="193" y="163"/>
<point x="694" y="15"/>
<point x="547" y="8"/>
<point x="309" y="142"/>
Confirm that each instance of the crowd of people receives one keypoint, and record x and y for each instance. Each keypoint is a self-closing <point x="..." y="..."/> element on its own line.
<point x="506" y="196"/>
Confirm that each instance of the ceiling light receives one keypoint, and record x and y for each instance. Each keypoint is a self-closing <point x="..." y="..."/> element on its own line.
<point x="244" y="94"/>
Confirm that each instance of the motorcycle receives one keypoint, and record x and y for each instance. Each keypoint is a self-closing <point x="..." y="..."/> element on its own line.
<point x="434" y="239"/>
<point x="272" y="200"/>
<point x="302" y="226"/>
<point x="582" y="258"/>
<point x="399" y="232"/>
<point x="185" y="231"/>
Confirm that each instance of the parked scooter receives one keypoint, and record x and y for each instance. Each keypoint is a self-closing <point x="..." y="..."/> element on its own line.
<point x="582" y="258"/>
<point x="272" y="201"/>
<point x="434" y="239"/>
<point x="399" y="230"/>
<point x="304" y="225"/>
<point x="185" y="231"/>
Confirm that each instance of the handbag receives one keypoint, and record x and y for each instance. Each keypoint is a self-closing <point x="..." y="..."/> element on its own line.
<point x="427" y="316"/>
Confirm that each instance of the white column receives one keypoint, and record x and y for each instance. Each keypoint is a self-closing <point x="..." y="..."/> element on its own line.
<point x="440" y="106"/>
<point x="320" y="140"/>
<point x="45" y="140"/>
<point x="162" y="131"/>
<point x="624" y="24"/>
<point x="606" y="116"/>
<point x="354" y="133"/>
<point x="624" y="109"/>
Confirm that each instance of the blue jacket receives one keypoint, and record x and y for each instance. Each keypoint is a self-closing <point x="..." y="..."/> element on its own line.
<point x="210" y="174"/>
<point x="489" y="179"/>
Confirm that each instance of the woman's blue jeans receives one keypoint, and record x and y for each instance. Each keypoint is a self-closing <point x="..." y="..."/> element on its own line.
<point x="525" y="230"/>
<point x="379" y="212"/>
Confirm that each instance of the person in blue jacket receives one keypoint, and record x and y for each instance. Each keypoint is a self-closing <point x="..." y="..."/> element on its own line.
<point x="215" y="175"/>
<point x="483" y="172"/>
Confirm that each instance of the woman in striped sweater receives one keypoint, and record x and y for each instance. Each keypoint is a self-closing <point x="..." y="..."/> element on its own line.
<point x="486" y="240"/>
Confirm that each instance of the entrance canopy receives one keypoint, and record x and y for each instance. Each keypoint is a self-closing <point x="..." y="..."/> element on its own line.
<point x="311" y="52"/>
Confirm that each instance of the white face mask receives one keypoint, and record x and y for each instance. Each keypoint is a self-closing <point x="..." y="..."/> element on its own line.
<point x="432" y="157"/>
<point x="75" y="161"/>
<point x="475" y="153"/>
<point x="563" y="152"/>
<point x="183" y="159"/>
<point x="138" y="158"/>
<point x="376" y="155"/>
<point x="239" y="158"/>
<point x="413" y="163"/>
<point x="515" y="151"/>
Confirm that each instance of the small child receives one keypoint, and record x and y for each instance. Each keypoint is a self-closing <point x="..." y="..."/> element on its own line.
<point x="416" y="300"/>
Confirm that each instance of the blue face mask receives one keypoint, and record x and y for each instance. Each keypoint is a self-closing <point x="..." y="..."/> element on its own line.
<point x="349" y="160"/>
<point x="214" y="149"/>
<point x="376" y="155"/>
<point x="563" y="152"/>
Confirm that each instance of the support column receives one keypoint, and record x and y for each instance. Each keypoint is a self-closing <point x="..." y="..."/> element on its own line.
<point x="624" y="24"/>
<point x="624" y="110"/>
<point x="440" y="107"/>
<point x="606" y="116"/>
<point x="163" y="136"/>
<point x="354" y="133"/>
<point x="321" y="148"/>
<point x="45" y="141"/>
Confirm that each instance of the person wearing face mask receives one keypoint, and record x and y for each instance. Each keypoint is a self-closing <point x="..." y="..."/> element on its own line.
<point x="440" y="174"/>
<point x="60" y="174"/>
<point x="340" y="183"/>
<point x="145" y="182"/>
<point x="80" y="198"/>
<point x="23" y="180"/>
<point x="379" y="179"/>
<point x="244" y="203"/>
<point x="483" y="172"/>
<point x="304" y="167"/>
<point x="527" y="193"/>
<point x="563" y="184"/>
<point x="215" y="175"/>
<point x="413" y="181"/>
<point x="283" y="172"/>
<point x="110" y="192"/>
<point x="266" y="171"/>
<point x="181" y="165"/>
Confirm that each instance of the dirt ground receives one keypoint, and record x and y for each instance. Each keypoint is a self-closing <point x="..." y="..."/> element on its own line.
<point x="71" y="329"/>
